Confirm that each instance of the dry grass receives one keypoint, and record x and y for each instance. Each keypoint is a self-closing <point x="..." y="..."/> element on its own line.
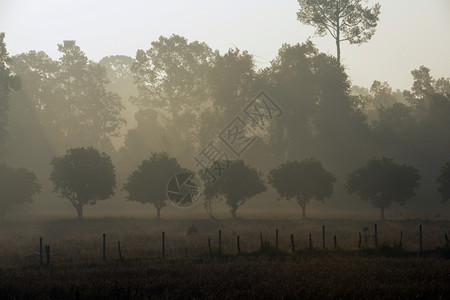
<point x="77" y="270"/>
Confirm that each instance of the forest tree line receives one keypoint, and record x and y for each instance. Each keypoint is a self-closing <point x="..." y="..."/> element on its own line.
<point x="182" y="94"/>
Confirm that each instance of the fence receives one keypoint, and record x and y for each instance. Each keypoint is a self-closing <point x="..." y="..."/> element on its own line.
<point x="264" y="244"/>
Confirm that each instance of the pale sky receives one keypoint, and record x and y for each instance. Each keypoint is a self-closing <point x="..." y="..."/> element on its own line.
<point x="410" y="33"/>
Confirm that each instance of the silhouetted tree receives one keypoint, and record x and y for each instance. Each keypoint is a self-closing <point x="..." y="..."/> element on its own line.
<point x="8" y="81"/>
<point x="382" y="182"/>
<point x="82" y="86"/>
<point x="290" y="81"/>
<point x="344" y="20"/>
<point x="303" y="181"/>
<point x="69" y="97"/>
<point x="443" y="182"/>
<point x="236" y="184"/>
<point x="84" y="176"/>
<point x="171" y="77"/>
<point x="230" y="80"/>
<point x="148" y="184"/>
<point x="17" y="186"/>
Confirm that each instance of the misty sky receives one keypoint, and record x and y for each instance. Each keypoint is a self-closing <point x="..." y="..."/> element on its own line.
<point x="410" y="32"/>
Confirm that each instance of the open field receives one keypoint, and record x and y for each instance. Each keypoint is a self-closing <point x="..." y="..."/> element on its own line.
<point x="76" y="268"/>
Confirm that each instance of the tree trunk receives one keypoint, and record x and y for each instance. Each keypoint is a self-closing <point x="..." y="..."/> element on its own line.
<point x="303" y="206"/>
<point x="233" y="212"/>
<point x="158" y="213"/>
<point x="79" y="209"/>
<point x="338" y="34"/>
<point x="382" y="214"/>
<point x="338" y="46"/>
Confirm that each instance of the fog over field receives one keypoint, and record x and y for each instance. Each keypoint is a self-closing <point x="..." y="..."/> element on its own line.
<point x="294" y="149"/>
<point x="261" y="102"/>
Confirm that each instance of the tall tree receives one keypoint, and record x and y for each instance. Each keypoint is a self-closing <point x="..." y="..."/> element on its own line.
<point x="94" y="114"/>
<point x="290" y="80"/>
<point x="17" y="186"/>
<point x="344" y="20"/>
<point x="383" y="182"/>
<point x="148" y="184"/>
<point x="303" y="181"/>
<point x="8" y="81"/>
<point x="84" y="176"/>
<point x="237" y="184"/>
<point x="171" y="77"/>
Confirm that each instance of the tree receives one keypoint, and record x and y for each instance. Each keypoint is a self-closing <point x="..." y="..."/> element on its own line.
<point x="148" y="184"/>
<point x="382" y="182"/>
<point x="8" y="81"/>
<point x="171" y="77"/>
<point x="344" y="20"/>
<point x="303" y="181"/>
<point x="17" y="186"/>
<point x="237" y="184"/>
<point x="91" y="114"/>
<point x="443" y="182"/>
<point x="84" y="176"/>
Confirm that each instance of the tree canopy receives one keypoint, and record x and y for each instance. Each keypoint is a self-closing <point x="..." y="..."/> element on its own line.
<point x="8" y="81"/>
<point x="344" y="20"/>
<point x="304" y="180"/>
<point x="383" y="182"/>
<point x="236" y="184"/>
<point x="148" y="184"/>
<point x="84" y="176"/>
<point x="17" y="186"/>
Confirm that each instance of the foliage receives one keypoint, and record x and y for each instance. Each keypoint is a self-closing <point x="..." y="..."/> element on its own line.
<point x="443" y="182"/>
<point x="383" y="181"/>
<point x="83" y="176"/>
<point x="237" y="184"/>
<point x="171" y="75"/>
<point x="303" y="181"/>
<point x="17" y="186"/>
<point x="148" y="184"/>
<point x="69" y="97"/>
<point x="8" y="81"/>
<point x="344" y="20"/>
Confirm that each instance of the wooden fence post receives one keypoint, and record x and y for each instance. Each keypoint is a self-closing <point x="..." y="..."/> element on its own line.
<point x="359" y="240"/>
<point x="323" y="237"/>
<point x="209" y="246"/>
<point x="40" y="250"/>
<point x="276" y="238"/>
<point x="335" y="242"/>
<point x="238" y="245"/>
<point x="163" y="246"/>
<point x="310" y="242"/>
<point x="261" y="238"/>
<point x="220" y="242"/>
<point x="47" y="251"/>
<point x="401" y="239"/>
<point x="376" y="235"/>
<point x="120" y="252"/>
<point x="104" y="247"/>
<point x="446" y="241"/>
<point x="420" y="237"/>
<point x="292" y="243"/>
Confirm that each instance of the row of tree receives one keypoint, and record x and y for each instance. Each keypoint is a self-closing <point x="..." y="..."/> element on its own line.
<point x="185" y="93"/>
<point x="85" y="176"/>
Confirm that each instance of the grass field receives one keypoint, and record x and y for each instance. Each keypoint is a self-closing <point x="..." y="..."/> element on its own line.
<point x="189" y="271"/>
